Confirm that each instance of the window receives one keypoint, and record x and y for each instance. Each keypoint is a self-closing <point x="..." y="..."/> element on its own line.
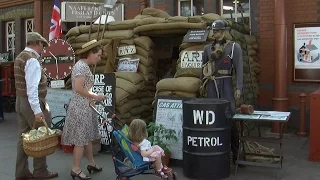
<point x="184" y="7"/>
<point x="236" y="10"/>
<point x="10" y="37"/>
<point x="29" y="26"/>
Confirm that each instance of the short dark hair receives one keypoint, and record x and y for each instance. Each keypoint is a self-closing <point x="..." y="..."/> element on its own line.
<point x="93" y="50"/>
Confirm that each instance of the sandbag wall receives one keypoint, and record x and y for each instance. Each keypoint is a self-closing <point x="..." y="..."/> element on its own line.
<point x="134" y="91"/>
<point x="162" y="24"/>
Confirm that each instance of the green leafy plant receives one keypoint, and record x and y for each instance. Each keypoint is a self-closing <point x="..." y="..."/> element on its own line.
<point x="160" y="135"/>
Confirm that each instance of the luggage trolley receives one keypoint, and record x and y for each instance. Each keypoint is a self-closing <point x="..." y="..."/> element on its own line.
<point x="126" y="157"/>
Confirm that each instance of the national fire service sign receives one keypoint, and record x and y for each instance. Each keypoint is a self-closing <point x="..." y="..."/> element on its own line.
<point x="191" y="59"/>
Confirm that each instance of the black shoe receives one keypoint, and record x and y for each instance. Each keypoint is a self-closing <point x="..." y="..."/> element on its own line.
<point x="93" y="168"/>
<point x="75" y="175"/>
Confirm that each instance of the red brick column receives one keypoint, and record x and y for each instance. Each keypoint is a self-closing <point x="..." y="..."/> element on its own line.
<point x="280" y="99"/>
<point x="143" y="4"/>
<point x="38" y="19"/>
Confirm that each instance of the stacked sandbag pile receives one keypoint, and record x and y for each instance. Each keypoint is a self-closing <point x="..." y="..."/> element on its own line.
<point x="162" y="24"/>
<point x="132" y="101"/>
<point x="179" y="87"/>
<point x="144" y="52"/>
<point x="121" y="31"/>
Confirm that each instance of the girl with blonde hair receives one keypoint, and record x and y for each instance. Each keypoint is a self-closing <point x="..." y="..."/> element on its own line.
<point x="138" y="135"/>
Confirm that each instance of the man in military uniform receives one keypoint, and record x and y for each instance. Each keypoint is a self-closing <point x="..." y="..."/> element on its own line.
<point x="219" y="60"/>
<point x="31" y="108"/>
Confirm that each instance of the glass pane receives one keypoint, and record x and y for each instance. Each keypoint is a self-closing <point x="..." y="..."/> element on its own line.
<point x="185" y="8"/>
<point x="243" y="6"/>
<point x="228" y="6"/>
<point x="198" y="7"/>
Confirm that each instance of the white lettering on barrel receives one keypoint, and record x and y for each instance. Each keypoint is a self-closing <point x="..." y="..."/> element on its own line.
<point x="204" y="141"/>
<point x="198" y="116"/>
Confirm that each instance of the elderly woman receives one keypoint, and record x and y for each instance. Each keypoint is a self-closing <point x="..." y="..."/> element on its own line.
<point x="81" y="125"/>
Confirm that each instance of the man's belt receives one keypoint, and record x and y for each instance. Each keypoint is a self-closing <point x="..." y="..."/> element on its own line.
<point x="223" y="72"/>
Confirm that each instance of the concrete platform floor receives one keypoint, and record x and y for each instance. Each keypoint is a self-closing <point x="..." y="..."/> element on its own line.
<point x="296" y="166"/>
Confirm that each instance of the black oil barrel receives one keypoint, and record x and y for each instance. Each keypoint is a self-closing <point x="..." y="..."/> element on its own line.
<point x="206" y="138"/>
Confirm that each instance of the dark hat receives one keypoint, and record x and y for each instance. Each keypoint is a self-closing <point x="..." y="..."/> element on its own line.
<point x="34" y="36"/>
<point x="219" y="24"/>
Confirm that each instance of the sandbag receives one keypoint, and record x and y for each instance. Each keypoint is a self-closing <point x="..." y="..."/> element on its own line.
<point x="71" y="39"/>
<point x="120" y="34"/>
<point x="73" y="32"/>
<point x="151" y="20"/>
<point x="164" y="33"/>
<point x="85" y="37"/>
<point x="187" y="72"/>
<point x="126" y="86"/>
<point x="143" y="52"/>
<point x="121" y="95"/>
<point x="187" y="84"/>
<point x="123" y="25"/>
<point x="149" y="76"/>
<point x="177" y="19"/>
<point x="84" y="29"/>
<point x="138" y="110"/>
<point x="252" y="52"/>
<point x="128" y="106"/>
<point x="155" y="12"/>
<point x="127" y="42"/>
<point x="250" y="39"/>
<point x="195" y="19"/>
<point x="176" y="94"/>
<point x="134" y="78"/>
<point x="165" y="26"/>
<point x="145" y="69"/>
<point x="139" y="16"/>
<point x="146" y="100"/>
<point x="144" y="41"/>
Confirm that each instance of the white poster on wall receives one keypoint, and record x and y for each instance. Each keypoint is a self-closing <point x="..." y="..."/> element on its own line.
<point x="58" y="100"/>
<point x="307" y="48"/>
<point x="169" y="114"/>
<point x="191" y="59"/>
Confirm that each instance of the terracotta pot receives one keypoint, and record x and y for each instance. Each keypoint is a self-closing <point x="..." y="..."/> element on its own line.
<point x="165" y="159"/>
<point x="246" y="109"/>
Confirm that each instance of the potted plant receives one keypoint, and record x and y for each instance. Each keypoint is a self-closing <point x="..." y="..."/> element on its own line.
<point x="160" y="135"/>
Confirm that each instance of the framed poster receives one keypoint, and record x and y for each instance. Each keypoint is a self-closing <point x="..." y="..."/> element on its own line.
<point x="306" y="52"/>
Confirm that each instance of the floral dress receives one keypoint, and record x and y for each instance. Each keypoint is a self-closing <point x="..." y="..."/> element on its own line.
<point x="81" y="124"/>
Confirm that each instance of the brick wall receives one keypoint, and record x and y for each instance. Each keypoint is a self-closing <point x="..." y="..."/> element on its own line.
<point x="297" y="12"/>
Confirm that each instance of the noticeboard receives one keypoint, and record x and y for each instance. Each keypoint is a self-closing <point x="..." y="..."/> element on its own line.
<point x="105" y="84"/>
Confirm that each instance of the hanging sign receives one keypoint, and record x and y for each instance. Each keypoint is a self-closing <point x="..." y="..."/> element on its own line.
<point x="128" y="65"/>
<point x="127" y="50"/>
<point x="105" y="84"/>
<point x="196" y="35"/>
<point x="191" y="59"/>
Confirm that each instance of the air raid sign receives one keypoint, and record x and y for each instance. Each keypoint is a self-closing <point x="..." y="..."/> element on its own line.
<point x="82" y="11"/>
<point x="191" y="59"/>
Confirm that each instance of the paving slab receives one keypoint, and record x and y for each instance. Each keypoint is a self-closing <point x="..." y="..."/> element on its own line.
<point x="295" y="167"/>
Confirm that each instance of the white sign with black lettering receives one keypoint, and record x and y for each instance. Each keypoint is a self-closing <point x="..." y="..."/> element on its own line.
<point x="127" y="50"/>
<point x="169" y="114"/>
<point x="203" y="117"/>
<point x="191" y="59"/>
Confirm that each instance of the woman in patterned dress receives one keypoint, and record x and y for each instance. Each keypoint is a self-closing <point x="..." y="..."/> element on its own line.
<point x="81" y="124"/>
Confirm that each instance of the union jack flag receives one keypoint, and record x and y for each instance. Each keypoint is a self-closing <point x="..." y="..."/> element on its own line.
<point x="55" y="26"/>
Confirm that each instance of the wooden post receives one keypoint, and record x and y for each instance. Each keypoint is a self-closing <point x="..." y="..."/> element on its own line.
<point x="302" y="121"/>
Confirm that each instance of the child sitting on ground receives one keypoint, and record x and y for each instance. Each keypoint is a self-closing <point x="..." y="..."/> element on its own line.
<point x="138" y="134"/>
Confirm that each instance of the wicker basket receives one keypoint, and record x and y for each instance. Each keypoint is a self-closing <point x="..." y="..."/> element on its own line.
<point x="41" y="147"/>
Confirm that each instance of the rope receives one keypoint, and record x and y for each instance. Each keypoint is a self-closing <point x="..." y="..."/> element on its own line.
<point x="214" y="79"/>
